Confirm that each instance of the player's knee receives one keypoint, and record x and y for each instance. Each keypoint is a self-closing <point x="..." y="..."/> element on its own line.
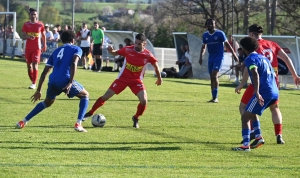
<point x="144" y="102"/>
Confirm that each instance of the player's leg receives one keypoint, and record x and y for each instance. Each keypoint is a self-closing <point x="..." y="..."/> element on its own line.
<point x="36" y="54"/>
<point x="237" y="73"/>
<point x="210" y="68"/>
<point x="115" y="88"/>
<point x="277" y="121"/>
<point x="83" y="57"/>
<point x="50" y="98"/>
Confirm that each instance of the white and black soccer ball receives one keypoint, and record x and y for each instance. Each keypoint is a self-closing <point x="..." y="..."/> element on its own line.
<point x="98" y="120"/>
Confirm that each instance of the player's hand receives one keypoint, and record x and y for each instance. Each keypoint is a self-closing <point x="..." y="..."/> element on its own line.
<point x="44" y="49"/>
<point x="30" y="37"/>
<point x="238" y="89"/>
<point x="158" y="81"/>
<point x="200" y="61"/>
<point x="67" y="88"/>
<point x="260" y="99"/>
<point x="36" y="96"/>
<point x="109" y="48"/>
<point x="297" y="80"/>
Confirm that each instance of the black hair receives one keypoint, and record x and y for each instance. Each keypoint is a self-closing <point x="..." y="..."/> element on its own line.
<point x="32" y="10"/>
<point x="256" y="28"/>
<point x="141" y="36"/>
<point x="240" y="49"/>
<point x="208" y="20"/>
<point x="67" y="36"/>
<point x="248" y="43"/>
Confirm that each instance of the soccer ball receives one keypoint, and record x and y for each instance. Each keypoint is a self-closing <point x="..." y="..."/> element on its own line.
<point x="98" y="120"/>
<point x="163" y="74"/>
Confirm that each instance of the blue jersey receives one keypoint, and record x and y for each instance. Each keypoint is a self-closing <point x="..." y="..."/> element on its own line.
<point x="215" y="45"/>
<point x="267" y="84"/>
<point x="61" y="60"/>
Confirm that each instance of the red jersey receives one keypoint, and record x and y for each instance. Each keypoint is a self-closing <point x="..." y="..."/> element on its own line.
<point x="134" y="63"/>
<point x="36" y="30"/>
<point x="270" y="50"/>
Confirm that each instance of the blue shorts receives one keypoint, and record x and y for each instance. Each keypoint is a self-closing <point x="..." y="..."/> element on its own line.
<point x="56" y="88"/>
<point x="216" y="65"/>
<point x="254" y="107"/>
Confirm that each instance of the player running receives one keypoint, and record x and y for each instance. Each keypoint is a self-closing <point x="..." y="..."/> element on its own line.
<point x="265" y="92"/>
<point x="131" y="75"/>
<point x="271" y="50"/>
<point x="64" y="63"/>
<point x="33" y="31"/>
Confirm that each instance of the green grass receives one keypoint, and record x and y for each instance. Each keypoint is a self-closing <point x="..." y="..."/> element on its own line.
<point x="181" y="135"/>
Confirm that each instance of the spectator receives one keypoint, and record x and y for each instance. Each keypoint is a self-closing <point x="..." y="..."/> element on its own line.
<point x="128" y="42"/>
<point x="56" y="37"/>
<point x="85" y="43"/>
<point x="119" y="60"/>
<point x="59" y="30"/>
<point x="181" y="61"/>
<point x="235" y="46"/>
<point x="11" y="32"/>
<point x="240" y="66"/>
<point x="187" y="65"/>
<point x="1" y="32"/>
<point x="49" y="36"/>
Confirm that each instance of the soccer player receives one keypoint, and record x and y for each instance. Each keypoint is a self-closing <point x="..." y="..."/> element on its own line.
<point x="97" y="41"/>
<point x="131" y="75"/>
<point x="32" y="31"/>
<point x="270" y="50"/>
<point x="85" y="44"/>
<point x="64" y="63"/>
<point x="214" y="40"/>
<point x="265" y="92"/>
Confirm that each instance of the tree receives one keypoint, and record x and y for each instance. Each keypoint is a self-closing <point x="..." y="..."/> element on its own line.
<point x="50" y="15"/>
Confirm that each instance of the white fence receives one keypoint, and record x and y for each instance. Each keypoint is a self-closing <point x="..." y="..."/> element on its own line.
<point x="11" y="50"/>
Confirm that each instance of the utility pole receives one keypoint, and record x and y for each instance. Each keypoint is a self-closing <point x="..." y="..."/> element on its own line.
<point x="38" y="7"/>
<point x="73" y="12"/>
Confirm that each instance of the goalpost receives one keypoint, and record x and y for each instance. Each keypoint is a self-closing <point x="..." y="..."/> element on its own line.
<point x="14" y="38"/>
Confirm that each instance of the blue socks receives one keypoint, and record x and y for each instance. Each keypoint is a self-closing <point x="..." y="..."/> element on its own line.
<point x="246" y="137"/>
<point x="256" y="128"/>
<point x="214" y="93"/>
<point x="83" y="104"/>
<point x="38" y="108"/>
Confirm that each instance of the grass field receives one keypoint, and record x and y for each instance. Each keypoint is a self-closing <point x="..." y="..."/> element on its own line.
<point x="181" y="135"/>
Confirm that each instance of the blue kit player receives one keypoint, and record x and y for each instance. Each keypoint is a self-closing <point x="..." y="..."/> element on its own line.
<point x="64" y="63"/>
<point x="265" y="92"/>
<point x="214" y="39"/>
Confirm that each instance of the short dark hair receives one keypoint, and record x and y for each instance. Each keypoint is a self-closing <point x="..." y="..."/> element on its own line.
<point x="208" y="20"/>
<point x="141" y="36"/>
<point x="96" y="23"/>
<point x="239" y="49"/>
<point x="248" y="43"/>
<point x="32" y="10"/>
<point x="67" y="36"/>
<point x="255" y="28"/>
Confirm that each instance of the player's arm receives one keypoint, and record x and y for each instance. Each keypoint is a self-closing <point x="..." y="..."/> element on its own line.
<point x="228" y="46"/>
<point x="37" y="95"/>
<point x="26" y="37"/>
<point x="288" y="62"/>
<point x="202" y="51"/>
<point x="112" y="51"/>
<point x="255" y="82"/>
<point x="44" y="41"/>
<point x="156" y="69"/>
<point x="72" y="73"/>
<point x="89" y="34"/>
<point x="243" y="81"/>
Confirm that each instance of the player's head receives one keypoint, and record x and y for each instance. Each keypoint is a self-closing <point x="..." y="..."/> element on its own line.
<point x="240" y="51"/>
<point x="33" y="14"/>
<point x="249" y="44"/>
<point x="210" y="24"/>
<point x="127" y="41"/>
<point x="84" y="26"/>
<point x="255" y="30"/>
<point x="58" y="27"/>
<point x="140" y="42"/>
<point x="96" y="25"/>
<point x="68" y="36"/>
<point x="121" y="46"/>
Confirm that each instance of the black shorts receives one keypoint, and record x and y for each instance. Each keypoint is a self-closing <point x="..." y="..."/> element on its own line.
<point x="96" y="49"/>
<point x="85" y="51"/>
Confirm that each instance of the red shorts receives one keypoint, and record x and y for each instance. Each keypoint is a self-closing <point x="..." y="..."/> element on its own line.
<point x="32" y="55"/>
<point x="248" y="95"/>
<point x="135" y="86"/>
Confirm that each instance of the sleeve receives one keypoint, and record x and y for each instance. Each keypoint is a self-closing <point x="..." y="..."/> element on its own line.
<point x="152" y="59"/>
<point x="223" y="36"/>
<point x="249" y="63"/>
<point x="78" y="52"/>
<point x="122" y="51"/>
<point x="89" y="33"/>
<point x="42" y="27"/>
<point x="277" y="48"/>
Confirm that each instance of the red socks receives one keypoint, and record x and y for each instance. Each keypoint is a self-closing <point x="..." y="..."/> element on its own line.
<point x="140" y="110"/>
<point x="35" y="74"/>
<point x="97" y="105"/>
<point x="278" y="129"/>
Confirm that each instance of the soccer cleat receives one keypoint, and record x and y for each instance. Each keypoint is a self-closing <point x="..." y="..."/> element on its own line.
<point x="32" y="86"/>
<point x="20" y="125"/>
<point x="279" y="139"/>
<point x="86" y="116"/>
<point x="135" y="122"/>
<point x="79" y="128"/>
<point x="241" y="148"/>
<point x="214" y="100"/>
<point x="252" y="137"/>
<point x="257" y="142"/>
